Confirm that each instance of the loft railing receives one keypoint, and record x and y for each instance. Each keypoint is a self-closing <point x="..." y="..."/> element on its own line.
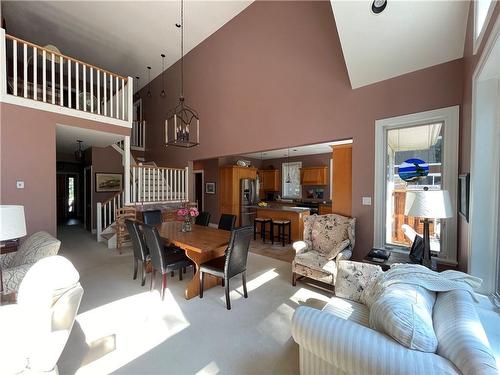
<point x="151" y="184"/>
<point x="39" y="77"/>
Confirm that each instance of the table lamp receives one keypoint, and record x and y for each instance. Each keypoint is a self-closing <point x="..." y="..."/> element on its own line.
<point x="428" y="204"/>
<point x="12" y="226"/>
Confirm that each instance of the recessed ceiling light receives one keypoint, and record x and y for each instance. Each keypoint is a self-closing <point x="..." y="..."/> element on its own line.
<point x="378" y="6"/>
<point x="295" y="150"/>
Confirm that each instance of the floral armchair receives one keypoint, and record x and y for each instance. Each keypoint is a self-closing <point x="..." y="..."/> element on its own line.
<point x="327" y="240"/>
<point x="15" y="265"/>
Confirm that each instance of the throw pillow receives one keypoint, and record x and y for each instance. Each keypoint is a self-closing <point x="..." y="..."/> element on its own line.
<point x="404" y="312"/>
<point x="353" y="278"/>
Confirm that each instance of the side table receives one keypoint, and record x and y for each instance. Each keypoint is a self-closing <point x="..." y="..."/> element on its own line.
<point x="8" y="298"/>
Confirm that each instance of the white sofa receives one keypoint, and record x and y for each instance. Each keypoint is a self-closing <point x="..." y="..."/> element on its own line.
<point x="338" y="340"/>
<point x="34" y="331"/>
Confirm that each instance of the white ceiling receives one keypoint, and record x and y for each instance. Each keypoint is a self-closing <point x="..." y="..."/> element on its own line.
<point x="66" y="137"/>
<point x="407" y="36"/>
<point x="320" y="148"/>
<point x="121" y="36"/>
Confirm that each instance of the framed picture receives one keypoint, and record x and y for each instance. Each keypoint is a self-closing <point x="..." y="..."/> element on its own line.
<point x="463" y="195"/>
<point x="108" y="182"/>
<point x="210" y="188"/>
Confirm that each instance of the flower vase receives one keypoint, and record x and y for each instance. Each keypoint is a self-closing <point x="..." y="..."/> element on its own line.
<point x="187" y="226"/>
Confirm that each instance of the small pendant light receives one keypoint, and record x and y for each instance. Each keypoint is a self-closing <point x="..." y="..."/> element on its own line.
<point x="149" y="82"/>
<point x="288" y="179"/>
<point x="79" y="151"/>
<point x="162" y="94"/>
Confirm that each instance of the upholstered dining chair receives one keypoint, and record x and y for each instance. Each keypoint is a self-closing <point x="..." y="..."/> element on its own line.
<point x="141" y="253"/>
<point x="203" y="219"/>
<point x="227" y="222"/>
<point x="152" y="217"/>
<point x="327" y="240"/>
<point x="233" y="263"/>
<point x="161" y="260"/>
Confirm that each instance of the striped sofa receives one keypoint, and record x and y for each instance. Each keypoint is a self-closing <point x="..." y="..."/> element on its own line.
<point x="338" y="340"/>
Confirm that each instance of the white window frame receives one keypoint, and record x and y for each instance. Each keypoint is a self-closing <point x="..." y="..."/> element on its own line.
<point x="478" y="39"/>
<point x="450" y="118"/>
<point x="284" y="175"/>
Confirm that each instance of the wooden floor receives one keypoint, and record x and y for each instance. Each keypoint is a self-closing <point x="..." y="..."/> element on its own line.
<point x="275" y="251"/>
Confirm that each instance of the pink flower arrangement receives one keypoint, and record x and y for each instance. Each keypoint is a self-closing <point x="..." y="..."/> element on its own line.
<point x="188" y="212"/>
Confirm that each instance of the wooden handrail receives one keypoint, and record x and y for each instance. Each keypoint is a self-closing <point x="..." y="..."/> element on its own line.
<point x="113" y="197"/>
<point x="11" y="37"/>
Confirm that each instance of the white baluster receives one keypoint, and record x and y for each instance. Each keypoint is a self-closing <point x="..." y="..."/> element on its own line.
<point x="69" y="83"/>
<point x="140" y="182"/>
<point x="61" y="82"/>
<point x="77" y="84"/>
<point x="35" y="73"/>
<point x="104" y="217"/>
<point x="25" y="70"/>
<point x="133" y="200"/>
<point x="84" y="88"/>
<point x="92" y="89"/>
<point x="53" y="77"/>
<point x="175" y="184"/>
<point x="99" y="221"/>
<point x="98" y="72"/>
<point x="105" y="95"/>
<point x="123" y="99"/>
<point x="149" y="184"/>
<point x="110" y="95"/>
<point x="169" y="185"/>
<point x="117" y="97"/>
<point x="109" y="210"/>
<point x="44" y="75"/>
<point x="14" y="55"/>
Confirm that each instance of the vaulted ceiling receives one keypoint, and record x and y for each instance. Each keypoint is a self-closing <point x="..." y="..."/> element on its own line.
<point x="407" y="36"/>
<point x="121" y="36"/>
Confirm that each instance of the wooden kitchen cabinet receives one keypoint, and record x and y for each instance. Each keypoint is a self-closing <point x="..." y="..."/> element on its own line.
<point x="229" y="188"/>
<point x="325" y="209"/>
<point x="269" y="179"/>
<point x="314" y="175"/>
<point x="342" y="179"/>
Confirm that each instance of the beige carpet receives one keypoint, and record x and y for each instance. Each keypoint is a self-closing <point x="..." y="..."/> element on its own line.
<point x="285" y="253"/>
<point x="123" y="328"/>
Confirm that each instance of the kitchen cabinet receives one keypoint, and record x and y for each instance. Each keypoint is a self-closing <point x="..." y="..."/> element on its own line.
<point x="269" y="179"/>
<point x="314" y="175"/>
<point x="325" y="209"/>
<point x="342" y="179"/>
<point x="229" y="188"/>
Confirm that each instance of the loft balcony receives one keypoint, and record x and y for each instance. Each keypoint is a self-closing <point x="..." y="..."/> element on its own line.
<point x="41" y="78"/>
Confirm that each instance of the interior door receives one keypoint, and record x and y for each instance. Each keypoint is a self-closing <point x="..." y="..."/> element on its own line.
<point x="198" y="189"/>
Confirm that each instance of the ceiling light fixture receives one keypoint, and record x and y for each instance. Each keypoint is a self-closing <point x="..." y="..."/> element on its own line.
<point x="183" y="119"/>
<point x="162" y="94"/>
<point x="288" y="179"/>
<point x="149" y="82"/>
<point x="79" y="151"/>
<point x="378" y="6"/>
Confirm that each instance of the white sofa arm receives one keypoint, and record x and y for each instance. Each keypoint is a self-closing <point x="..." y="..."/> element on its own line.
<point x="356" y="349"/>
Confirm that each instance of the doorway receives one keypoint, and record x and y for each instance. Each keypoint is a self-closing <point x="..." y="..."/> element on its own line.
<point x="484" y="217"/>
<point x="198" y="189"/>
<point x="68" y="198"/>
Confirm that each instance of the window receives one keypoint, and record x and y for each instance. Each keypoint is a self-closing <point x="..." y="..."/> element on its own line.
<point x="430" y="136"/>
<point x="482" y="14"/>
<point x="290" y="180"/>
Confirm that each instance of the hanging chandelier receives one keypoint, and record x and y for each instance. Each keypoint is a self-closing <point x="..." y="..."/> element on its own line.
<point x="79" y="151"/>
<point x="182" y="126"/>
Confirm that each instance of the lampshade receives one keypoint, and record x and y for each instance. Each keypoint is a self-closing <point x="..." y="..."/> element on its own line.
<point x="12" y="222"/>
<point x="432" y="204"/>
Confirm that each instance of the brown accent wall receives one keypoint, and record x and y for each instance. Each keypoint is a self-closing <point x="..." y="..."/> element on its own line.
<point x="275" y="77"/>
<point x="470" y="63"/>
<point x="28" y="153"/>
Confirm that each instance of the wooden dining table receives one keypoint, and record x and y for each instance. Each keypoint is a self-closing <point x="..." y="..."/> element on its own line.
<point x="201" y="245"/>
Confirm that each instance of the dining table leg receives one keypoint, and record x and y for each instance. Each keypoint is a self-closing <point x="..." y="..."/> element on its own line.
<point x="193" y="286"/>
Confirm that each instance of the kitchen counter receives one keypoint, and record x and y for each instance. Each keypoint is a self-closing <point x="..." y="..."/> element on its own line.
<point x="281" y="208"/>
<point x="294" y="214"/>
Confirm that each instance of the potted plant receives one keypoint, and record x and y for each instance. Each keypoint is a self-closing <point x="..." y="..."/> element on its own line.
<point x="187" y="214"/>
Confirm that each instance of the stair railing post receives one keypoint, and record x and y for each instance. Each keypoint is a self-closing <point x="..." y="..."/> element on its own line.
<point x="99" y="221"/>
<point x="126" y="155"/>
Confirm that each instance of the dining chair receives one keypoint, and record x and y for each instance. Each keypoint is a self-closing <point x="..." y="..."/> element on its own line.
<point x="233" y="263"/>
<point x="162" y="261"/>
<point x="141" y="252"/>
<point x="203" y="219"/>
<point x="227" y="222"/>
<point x="152" y="217"/>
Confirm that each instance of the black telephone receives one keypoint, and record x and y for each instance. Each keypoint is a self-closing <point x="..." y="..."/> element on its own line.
<point x="379" y="253"/>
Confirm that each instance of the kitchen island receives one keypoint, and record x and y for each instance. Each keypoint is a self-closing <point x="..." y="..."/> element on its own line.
<point x="281" y="212"/>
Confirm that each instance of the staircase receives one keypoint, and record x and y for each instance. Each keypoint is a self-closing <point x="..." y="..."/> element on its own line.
<point x="149" y="185"/>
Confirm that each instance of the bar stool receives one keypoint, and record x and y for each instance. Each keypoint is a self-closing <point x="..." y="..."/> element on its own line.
<point x="282" y="224"/>
<point x="263" y="221"/>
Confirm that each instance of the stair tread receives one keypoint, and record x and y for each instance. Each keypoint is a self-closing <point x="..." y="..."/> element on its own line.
<point x="107" y="235"/>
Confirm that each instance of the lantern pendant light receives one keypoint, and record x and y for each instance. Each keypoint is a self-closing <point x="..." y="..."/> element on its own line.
<point x="149" y="82"/>
<point x="182" y="126"/>
<point x="162" y="94"/>
<point x="288" y="179"/>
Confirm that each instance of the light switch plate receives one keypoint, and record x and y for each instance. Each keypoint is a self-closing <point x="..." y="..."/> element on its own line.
<point x="20" y="184"/>
<point x="367" y="201"/>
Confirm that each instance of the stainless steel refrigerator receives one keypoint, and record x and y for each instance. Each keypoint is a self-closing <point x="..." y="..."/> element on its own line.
<point x="248" y="198"/>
